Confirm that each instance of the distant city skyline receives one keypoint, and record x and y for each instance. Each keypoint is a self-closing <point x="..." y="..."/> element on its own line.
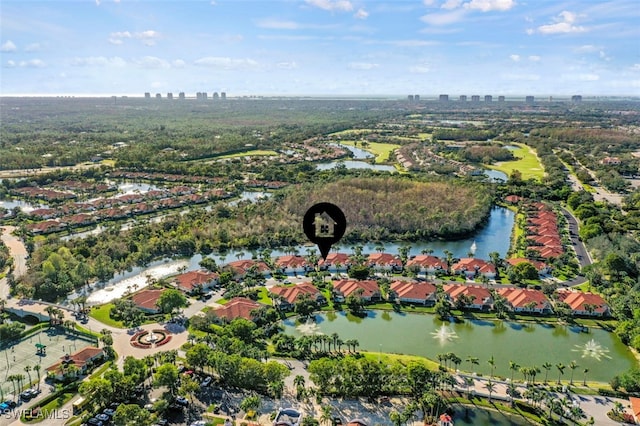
<point x="510" y="48"/>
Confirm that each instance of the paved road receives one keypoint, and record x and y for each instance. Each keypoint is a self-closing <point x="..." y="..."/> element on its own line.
<point x="18" y="253"/>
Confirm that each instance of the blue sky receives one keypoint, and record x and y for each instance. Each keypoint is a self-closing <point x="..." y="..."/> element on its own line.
<point x="320" y="47"/>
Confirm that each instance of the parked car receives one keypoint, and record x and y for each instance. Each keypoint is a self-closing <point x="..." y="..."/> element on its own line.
<point x="109" y="412"/>
<point x="181" y="400"/>
<point x="95" y="422"/>
<point x="206" y="381"/>
<point x="103" y="417"/>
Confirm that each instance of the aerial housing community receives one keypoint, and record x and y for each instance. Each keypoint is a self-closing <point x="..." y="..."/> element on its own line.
<point x="154" y="268"/>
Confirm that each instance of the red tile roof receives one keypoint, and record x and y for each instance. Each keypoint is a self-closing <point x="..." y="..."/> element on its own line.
<point x="292" y="261"/>
<point x="192" y="279"/>
<point x="241" y="267"/>
<point x="577" y="300"/>
<point x="383" y="259"/>
<point x="335" y="258"/>
<point x="79" y="359"/>
<point x="347" y="287"/>
<point x="471" y="264"/>
<point x="413" y="290"/>
<point x="478" y="293"/>
<point x="291" y="293"/>
<point x="520" y="297"/>
<point x="147" y="299"/>
<point x="635" y="406"/>
<point x="427" y="261"/>
<point x="238" y="307"/>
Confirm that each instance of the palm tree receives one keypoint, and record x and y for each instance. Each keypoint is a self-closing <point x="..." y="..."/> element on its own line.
<point x="327" y="412"/>
<point x="584" y="380"/>
<point x="560" y="366"/>
<point x="27" y="369"/>
<point x="36" y="368"/>
<point x="492" y="363"/>
<point x="572" y="365"/>
<point x="513" y="366"/>
<point x="334" y="339"/>
<point x="491" y="387"/>
<point x="473" y="360"/>
<point x="547" y="366"/>
<point x="12" y="379"/>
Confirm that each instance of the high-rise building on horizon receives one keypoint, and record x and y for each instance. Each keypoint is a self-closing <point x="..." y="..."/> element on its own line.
<point x="223" y="95"/>
<point x="475" y="98"/>
<point x="147" y="95"/>
<point x="416" y="98"/>
<point x="181" y="95"/>
<point x="410" y="98"/>
<point x="500" y="98"/>
<point x="488" y="98"/>
<point x="529" y="99"/>
<point x="216" y="96"/>
<point x="169" y="95"/>
<point x="463" y="98"/>
<point x="158" y="96"/>
<point x="576" y="98"/>
<point x="443" y="98"/>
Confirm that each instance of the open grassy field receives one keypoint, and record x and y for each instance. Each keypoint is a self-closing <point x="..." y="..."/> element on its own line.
<point x="101" y="313"/>
<point x="382" y="151"/>
<point x="527" y="163"/>
<point x="388" y="359"/>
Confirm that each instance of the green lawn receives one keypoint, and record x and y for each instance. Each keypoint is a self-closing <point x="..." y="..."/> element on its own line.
<point x="49" y="408"/>
<point x="388" y="359"/>
<point x="101" y="313"/>
<point x="263" y="297"/>
<point x="527" y="163"/>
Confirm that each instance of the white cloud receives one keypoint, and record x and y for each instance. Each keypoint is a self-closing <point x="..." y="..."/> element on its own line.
<point x="413" y="43"/>
<point x="361" y="14"/>
<point x="490" y="5"/>
<point x="148" y="37"/>
<point x="564" y="23"/>
<point x="277" y="24"/>
<point x="429" y="2"/>
<point x="178" y="63"/>
<point x="635" y="67"/>
<point x="362" y="66"/>
<point x="33" y="47"/>
<point x="152" y="62"/>
<point x="585" y="76"/>
<point x="98" y="61"/>
<point x="588" y="48"/>
<point x="420" y="69"/>
<point x="32" y="63"/>
<point x="8" y="46"/>
<point x="332" y="5"/>
<point x="444" y="18"/>
<point x="451" y="4"/>
<point x="534" y="58"/>
<point x="514" y="58"/>
<point x="10" y="64"/>
<point x="287" y="65"/>
<point x="226" y="63"/>
<point x="521" y="77"/>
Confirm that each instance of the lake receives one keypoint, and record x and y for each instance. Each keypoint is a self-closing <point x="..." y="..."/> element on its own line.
<point x="528" y="344"/>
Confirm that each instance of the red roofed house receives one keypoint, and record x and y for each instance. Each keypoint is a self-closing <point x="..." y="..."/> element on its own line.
<point x="290" y="294"/>
<point x="82" y="360"/>
<point x="240" y="268"/>
<point x="635" y="407"/>
<point x="526" y="300"/>
<point x="480" y="296"/>
<point x="196" y="281"/>
<point x="384" y="262"/>
<point x="513" y="199"/>
<point x="367" y="289"/>
<point x="335" y="262"/>
<point x="584" y="303"/>
<point x="293" y="265"/>
<point x="427" y="264"/>
<point x="238" y="307"/>
<point x="471" y="267"/>
<point x="147" y="300"/>
<point x="421" y="293"/>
